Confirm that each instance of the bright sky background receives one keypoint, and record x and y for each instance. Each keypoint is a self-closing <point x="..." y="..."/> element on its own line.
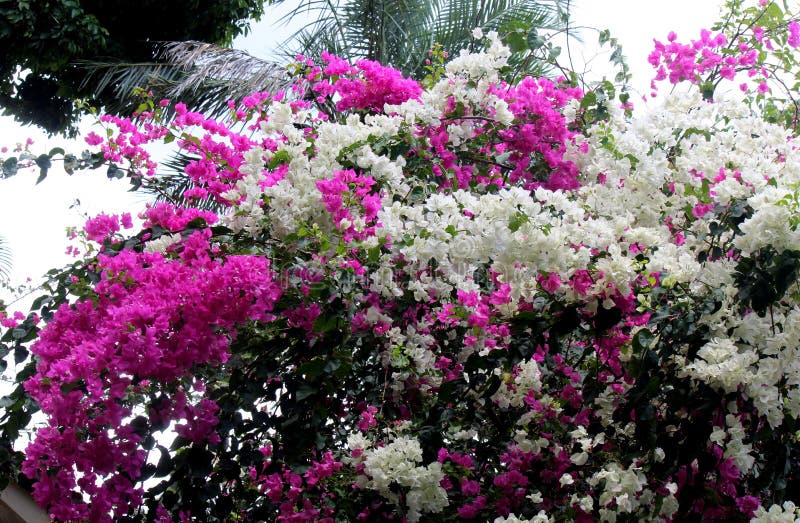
<point x="33" y="218"/>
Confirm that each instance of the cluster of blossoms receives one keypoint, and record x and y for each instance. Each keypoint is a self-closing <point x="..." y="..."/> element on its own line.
<point x="153" y="317"/>
<point x="755" y="46"/>
<point x="11" y="321"/>
<point x="678" y="62"/>
<point x="450" y="302"/>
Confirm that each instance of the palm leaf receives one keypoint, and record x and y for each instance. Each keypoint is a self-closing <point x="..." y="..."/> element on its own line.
<point x="203" y="76"/>
<point x="170" y="184"/>
<point x="5" y="259"/>
<point x="395" y="32"/>
<point x="222" y="70"/>
<point x="355" y="29"/>
<point x="456" y="19"/>
<point x="400" y="32"/>
<point x="116" y="82"/>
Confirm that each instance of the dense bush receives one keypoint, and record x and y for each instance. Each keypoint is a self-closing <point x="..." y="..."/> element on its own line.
<point x="455" y="299"/>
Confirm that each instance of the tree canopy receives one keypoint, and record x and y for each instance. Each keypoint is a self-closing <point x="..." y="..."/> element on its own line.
<point x="44" y="41"/>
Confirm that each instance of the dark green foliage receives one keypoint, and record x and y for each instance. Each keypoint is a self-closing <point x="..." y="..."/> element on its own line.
<point x="766" y="277"/>
<point x="88" y="160"/>
<point x="49" y="38"/>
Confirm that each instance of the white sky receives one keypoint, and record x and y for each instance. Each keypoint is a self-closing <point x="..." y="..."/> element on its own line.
<point x="33" y="218"/>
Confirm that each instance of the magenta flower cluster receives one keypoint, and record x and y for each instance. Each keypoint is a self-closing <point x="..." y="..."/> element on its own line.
<point x="153" y="319"/>
<point x="365" y="85"/>
<point x="713" y="57"/>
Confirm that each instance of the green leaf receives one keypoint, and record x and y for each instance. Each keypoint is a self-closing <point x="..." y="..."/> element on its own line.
<point x="70" y="163"/>
<point x="707" y="90"/>
<point x="95" y="159"/>
<point x="140" y="425"/>
<point x="43" y="161"/>
<point x="6" y="401"/>
<point x="374" y="254"/>
<point x="588" y="100"/>
<point x="516" y="42"/>
<point x="312" y="369"/>
<point x="642" y="340"/>
<point x="773" y="15"/>
<point x="20" y="354"/>
<point x="646" y="413"/>
<point x="325" y="323"/>
<point x="517" y="221"/>
<point x="304" y="391"/>
<point x="535" y="41"/>
<point x="10" y="167"/>
<point x="165" y="463"/>
<point x="279" y="158"/>
<point x="332" y="365"/>
<point x="114" y="172"/>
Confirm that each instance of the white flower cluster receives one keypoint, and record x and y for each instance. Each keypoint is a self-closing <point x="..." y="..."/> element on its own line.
<point x="732" y="439"/>
<point x="295" y="200"/>
<point x="770" y="223"/>
<point x="397" y="463"/>
<point x="513" y="392"/>
<point x="541" y="517"/>
<point x="162" y="243"/>
<point x="728" y="367"/>
<point x="664" y="160"/>
<point x="692" y="156"/>
<point x="786" y="513"/>
<point x="605" y="405"/>
<point x="481" y="64"/>
<point x="722" y="365"/>
<point x="581" y="437"/>
<point x="468" y="80"/>
<point x="520" y="235"/>
<point x="624" y="492"/>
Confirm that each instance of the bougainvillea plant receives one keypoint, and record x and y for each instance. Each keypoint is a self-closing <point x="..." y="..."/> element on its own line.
<point x="451" y="300"/>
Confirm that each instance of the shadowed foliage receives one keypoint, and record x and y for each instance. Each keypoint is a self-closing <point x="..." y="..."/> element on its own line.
<point x="41" y="81"/>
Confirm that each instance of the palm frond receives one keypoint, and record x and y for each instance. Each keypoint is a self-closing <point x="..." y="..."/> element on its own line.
<point x="169" y="184"/>
<point x="5" y="259"/>
<point x="458" y="17"/>
<point x="400" y="32"/>
<point x="115" y="83"/>
<point x="406" y="33"/>
<point x="323" y="15"/>
<point x="208" y="64"/>
<point x="203" y="76"/>
<point x="382" y="30"/>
